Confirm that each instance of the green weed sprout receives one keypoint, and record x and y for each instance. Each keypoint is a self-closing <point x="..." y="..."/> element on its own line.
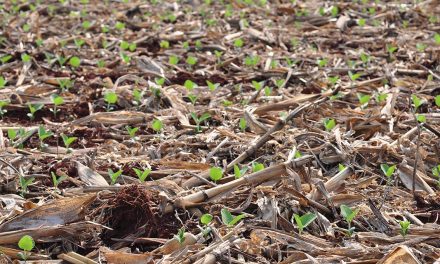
<point x="157" y="125"/>
<point x="26" y="243"/>
<point x="348" y="214"/>
<point x="142" y="174"/>
<point x="303" y="221"/>
<point x="329" y="124"/>
<point x="68" y="141"/>
<point x="132" y="131"/>
<point x="216" y="174"/>
<point x="239" y="172"/>
<point x="110" y="98"/>
<point x="230" y="220"/>
<point x="43" y="134"/>
<point x="114" y="175"/>
<point x="57" y="180"/>
<point x="256" y="166"/>
<point x="57" y="101"/>
<point x="404" y="227"/>
<point x="24" y="184"/>
<point x="199" y="120"/>
<point x="33" y="108"/>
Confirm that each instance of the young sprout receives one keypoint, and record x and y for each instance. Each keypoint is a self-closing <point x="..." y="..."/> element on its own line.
<point x="391" y="49"/>
<point x="206" y="219"/>
<point x="120" y="25"/>
<point x="365" y="58"/>
<point x="239" y="172"/>
<point x="199" y="119"/>
<point x="348" y="214"/>
<point x="157" y="125"/>
<point x="421" y="118"/>
<point x="381" y="97"/>
<point x="159" y="81"/>
<point x="191" y="60"/>
<point x="57" y="180"/>
<point x="361" y="22"/>
<point x="363" y="99"/>
<point x="43" y="134"/>
<point x="79" y="43"/>
<point x="216" y="174"/>
<point x="329" y="124"/>
<point x="111" y="98"/>
<point x="257" y="85"/>
<point x="304" y="220"/>
<point x="388" y="170"/>
<point x="57" y="101"/>
<point x="322" y="62"/>
<point x="354" y="76"/>
<point x="251" y="61"/>
<point x="173" y="60"/>
<point x="75" y="62"/>
<point x="12" y="134"/>
<point x="26" y="243"/>
<point x="416" y="101"/>
<point x="180" y="235"/>
<point x="24" y="184"/>
<point x="334" y="11"/>
<point x="256" y="166"/>
<point x="190" y="85"/>
<point x="238" y="43"/>
<point x="242" y="124"/>
<point x="333" y="80"/>
<point x="3" y="82"/>
<point x="25" y="57"/>
<point x="33" y="108"/>
<point x="68" y="141"/>
<point x="114" y="175"/>
<point x="137" y="96"/>
<point x="404" y="227"/>
<point x="218" y="55"/>
<point x="212" y="86"/>
<point x="132" y="131"/>
<point x="298" y="154"/>
<point x="437" y="38"/>
<point x="125" y="58"/>
<point x="2" y="105"/>
<point x="193" y="98"/>
<point x="228" y="219"/>
<point x="341" y="167"/>
<point x="164" y="44"/>
<point x="65" y="84"/>
<point x="142" y="174"/>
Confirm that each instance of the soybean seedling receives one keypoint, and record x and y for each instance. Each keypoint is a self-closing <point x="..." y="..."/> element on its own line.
<point x="33" y="108"/>
<point x="199" y="120"/>
<point x="132" y="132"/>
<point x="26" y="243"/>
<point x="256" y="166"/>
<point x="114" y="175"/>
<point x="436" y="173"/>
<point x="24" y="183"/>
<point x="2" y="82"/>
<point x="43" y="134"/>
<point x="65" y="84"/>
<point x="2" y="105"/>
<point x="212" y="86"/>
<point x="329" y="124"/>
<point x="216" y="174"/>
<point x="388" y="171"/>
<point x="363" y="99"/>
<point x="205" y="220"/>
<point x="303" y="221"/>
<point x="137" y="96"/>
<point x="110" y="98"/>
<point x="239" y="172"/>
<point x="57" y="101"/>
<point x="57" y="180"/>
<point x="242" y="124"/>
<point x="157" y="125"/>
<point x="67" y="142"/>
<point x="228" y="219"/>
<point x="142" y="174"/>
<point x="348" y="214"/>
<point x="404" y="227"/>
<point x="416" y="101"/>
<point x="437" y="100"/>
<point x="180" y="235"/>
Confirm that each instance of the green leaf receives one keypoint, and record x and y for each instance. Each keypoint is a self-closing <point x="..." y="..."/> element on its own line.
<point x="25" y="57"/>
<point x="226" y="216"/>
<point x="416" y="101"/>
<point x="236" y="219"/>
<point x="437" y="100"/>
<point x="12" y="134"/>
<point x="436" y="171"/>
<point x="68" y="140"/>
<point x="157" y="125"/>
<point x="363" y="98"/>
<point x="74" y="62"/>
<point x="388" y="170"/>
<point x="257" y="85"/>
<point x="257" y="167"/>
<point x="206" y="219"/>
<point x="111" y="97"/>
<point x="404" y="227"/>
<point x="114" y="175"/>
<point x="173" y="60"/>
<point x="341" y="167"/>
<point x="237" y="171"/>
<point x="191" y="60"/>
<point x="26" y="243"/>
<point x="212" y="86"/>
<point x="348" y="213"/>
<point x="119" y="25"/>
<point x="381" y="97"/>
<point x="421" y="118"/>
<point x="142" y="175"/>
<point x="2" y="82"/>
<point x="329" y="123"/>
<point x="307" y="219"/>
<point x="242" y="124"/>
<point x="437" y="38"/>
<point x="204" y="117"/>
<point x="238" y="43"/>
<point x="57" y="100"/>
<point x="216" y="173"/>
<point x="189" y="85"/>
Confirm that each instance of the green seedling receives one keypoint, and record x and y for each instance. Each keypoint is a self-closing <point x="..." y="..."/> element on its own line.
<point x="388" y="170"/>
<point x="120" y="25"/>
<point x="238" y="43"/>
<point x="363" y="99"/>
<point x="298" y="154"/>
<point x="242" y="124"/>
<point x="381" y="97"/>
<point x="79" y="43"/>
<point x="65" y="84"/>
<point x="191" y="60"/>
<point x="251" y="61"/>
<point x="57" y="101"/>
<point x="173" y="60"/>
<point x="279" y="83"/>
<point x="2" y="110"/>
<point x="159" y="81"/>
<point x="322" y="62"/>
<point x="57" y="180"/>
<point x="125" y="58"/>
<point x="137" y="96"/>
<point x="361" y="22"/>
<point x="3" y="82"/>
<point x="212" y="86"/>
<point x="190" y="85"/>
<point x="198" y="44"/>
<point x="142" y="174"/>
<point x="230" y="220"/>
<point x="193" y="98"/>
<point x="437" y="38"/>
<point x="348" y="214"/>
<point x="303" y="221"/>
<point x="132" y="131"/>
<point x="391" y="49"/>
<point x="404" y="227"/>
<point x="329" y="124"/>
<point x="4" y="59"/>
<point x="257" y="166"/>
<point x="199" y="120"/>
<point x="218" y="55"/>
<point x="25" y="58"/>
<point x="110" y="98"/>
<point x="24" y="184"/>
<point x="239" y="172"/>
<point x="60" y="59"/>
<point x="341" y="167"/>
<point x="68" y="141"/>
<point x="421" y="118"/>
<point x="206" y="219"/>
<point x="333" y="80"/>
<point x="365" y="58"/>
<point x="216" y="174"/>
<point x="43" y="134"/>
<point x="416" y="101"/>
<point x="75" y="62"/>
<point x="164" y="44"/>
<point x="257" y="85"/>
<point x="100" y="64"/>
<point x="334" y="11"/>
<point x="267" y="91"/>
<point x="26" y="243"/>
<point x="354" y="76"/>
<point x="114" y="175"/>
<point x="180" y="235"/>
<point x="12" y="134"/>
<point x="436" y="171"/>
<point x="157" y="125"/>
<point x="86" y="24"/>
<point x="421" y="47"/>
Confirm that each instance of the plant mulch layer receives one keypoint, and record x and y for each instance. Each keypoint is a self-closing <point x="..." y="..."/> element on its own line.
<point x="220" y="131"/>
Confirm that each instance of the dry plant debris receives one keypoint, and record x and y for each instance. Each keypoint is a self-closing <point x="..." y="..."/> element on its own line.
<point x="220" y="131"/>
